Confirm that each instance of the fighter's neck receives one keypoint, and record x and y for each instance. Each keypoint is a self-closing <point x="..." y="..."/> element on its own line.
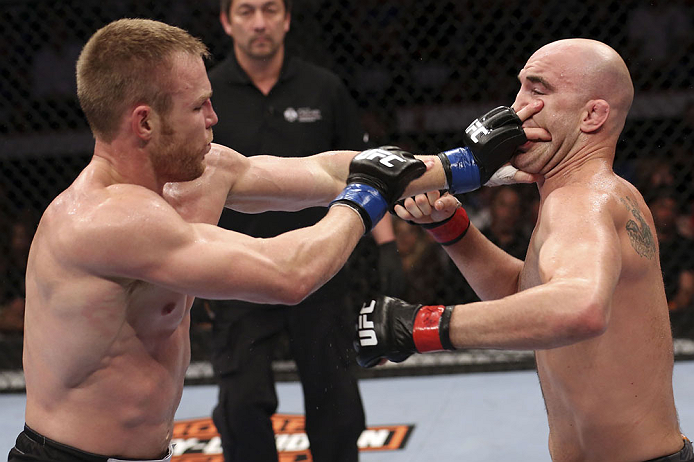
<point x="585" y="170"/>
<point x="119" y="164"/>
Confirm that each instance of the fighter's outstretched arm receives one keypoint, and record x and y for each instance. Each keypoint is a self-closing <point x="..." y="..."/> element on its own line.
<point x="262" y="183"/>
<point x="577" y="268"/>
<point x="161" y="246"/>
<point x="266" y="182"/>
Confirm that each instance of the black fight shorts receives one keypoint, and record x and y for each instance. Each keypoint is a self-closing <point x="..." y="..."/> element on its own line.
<point x="32" y="446"/>
<point x="685" y="455"/>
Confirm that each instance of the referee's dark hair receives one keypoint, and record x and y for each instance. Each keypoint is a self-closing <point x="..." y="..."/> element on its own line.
<point x="224" y="5"/>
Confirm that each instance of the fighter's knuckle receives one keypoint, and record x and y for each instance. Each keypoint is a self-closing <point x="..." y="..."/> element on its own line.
<point x="421" y="200"/>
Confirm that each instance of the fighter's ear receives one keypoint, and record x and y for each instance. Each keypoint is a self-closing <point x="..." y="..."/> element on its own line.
<point x="595" y="115"/>
<point x="141" y="119"/>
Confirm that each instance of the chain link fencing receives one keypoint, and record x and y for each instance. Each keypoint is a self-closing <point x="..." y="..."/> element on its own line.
<point x="420" y="71"/>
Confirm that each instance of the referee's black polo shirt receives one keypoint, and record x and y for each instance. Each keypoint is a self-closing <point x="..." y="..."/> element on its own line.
<point x="309" y="110"/>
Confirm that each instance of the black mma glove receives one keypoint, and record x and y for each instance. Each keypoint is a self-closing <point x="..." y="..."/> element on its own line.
<point x="490" y="141"/>
<point x="377" y="178"/>
<point x="394" y="329"/>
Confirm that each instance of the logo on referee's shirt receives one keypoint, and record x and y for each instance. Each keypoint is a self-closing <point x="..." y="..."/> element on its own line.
<point x="302" y="115"/>
<point x="197" y="440"/>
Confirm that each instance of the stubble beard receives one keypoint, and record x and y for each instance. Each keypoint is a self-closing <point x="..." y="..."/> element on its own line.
<point x="174" y="160"/>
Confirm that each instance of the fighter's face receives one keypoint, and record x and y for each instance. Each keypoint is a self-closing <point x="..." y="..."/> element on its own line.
<point x="258" y="27"/>
<point x="550" y="76"/>
<point x="185" y="130"/>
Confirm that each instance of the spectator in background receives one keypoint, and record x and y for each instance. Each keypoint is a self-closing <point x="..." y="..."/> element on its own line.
<point x="671" y="173"/>
<point x="677" y="263"/>
<point x="423" y="262"/>
<point x="12" y="316"/>
<point x="683" y="151"/>
<point x="654" y="174"/>
<point x="272" y="103"/>
<point x="13" y="268"/>
<point x="506" y="228"/>
<point x="57" y="60"/>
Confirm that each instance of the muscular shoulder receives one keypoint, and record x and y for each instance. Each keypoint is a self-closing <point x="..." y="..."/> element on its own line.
<point x="99" y="228"/>
<point x="202" y="199"/>
<point x="579" y="219"/>
<point x="612" y="207"/>
<point x="604" y="195"/>
<point x="222" y="166"/>
<point x="222" y="159"/>
<point x="577" y="206"/>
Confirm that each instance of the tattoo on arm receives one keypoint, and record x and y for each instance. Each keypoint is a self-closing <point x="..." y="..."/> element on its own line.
<point x="639" y="232"/>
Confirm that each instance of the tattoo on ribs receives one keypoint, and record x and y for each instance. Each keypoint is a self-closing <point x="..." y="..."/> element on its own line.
<point x="639" y="232"/>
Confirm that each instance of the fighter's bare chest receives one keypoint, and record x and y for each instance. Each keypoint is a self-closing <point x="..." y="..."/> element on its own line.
<point x="155" y="311"/>
<point x="530" y="275"/>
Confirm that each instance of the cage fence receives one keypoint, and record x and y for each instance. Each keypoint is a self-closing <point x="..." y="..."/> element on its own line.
<point x="420" y="71"/>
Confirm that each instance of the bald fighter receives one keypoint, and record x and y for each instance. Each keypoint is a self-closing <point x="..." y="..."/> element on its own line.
<point x="120" y="254"/>
<point x="589" y="297"/>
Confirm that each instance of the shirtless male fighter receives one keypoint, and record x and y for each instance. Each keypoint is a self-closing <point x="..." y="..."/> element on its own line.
<point x="589" y="297"/>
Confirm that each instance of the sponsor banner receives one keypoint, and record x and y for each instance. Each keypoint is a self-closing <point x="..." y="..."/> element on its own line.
<point x="197" y="440"/>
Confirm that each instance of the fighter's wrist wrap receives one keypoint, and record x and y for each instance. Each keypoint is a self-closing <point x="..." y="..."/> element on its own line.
<point x="450" y="230"/>
<point x="377" y="178"/>
<point x="431" y="329"/>
<point x="366" y="200"/>
<point x="461" y="169"/>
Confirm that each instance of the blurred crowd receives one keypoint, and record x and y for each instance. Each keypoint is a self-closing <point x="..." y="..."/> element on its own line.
<point x="16" y="233"/>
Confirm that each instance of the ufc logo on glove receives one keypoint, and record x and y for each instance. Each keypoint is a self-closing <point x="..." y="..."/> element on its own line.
<point x="367" y="335"/>
<point x="475" y="130"/>
<point x="386" y="156"/>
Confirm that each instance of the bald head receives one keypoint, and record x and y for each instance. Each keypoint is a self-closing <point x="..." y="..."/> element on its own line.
<point x="597" y="71"/>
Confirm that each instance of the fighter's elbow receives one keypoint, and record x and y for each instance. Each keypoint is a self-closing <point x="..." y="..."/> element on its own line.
<point x="292" y="297"/>
<point x="590" y="320"/>
<point x="294" y="288"/>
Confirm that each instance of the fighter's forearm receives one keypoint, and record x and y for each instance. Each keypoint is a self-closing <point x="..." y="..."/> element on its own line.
<point x="546" y="316"/>
<point x="306" y="258"/>
<point x="433" y="179"/>
<point x="491" y="272"/>
<point x="289" y="184"/>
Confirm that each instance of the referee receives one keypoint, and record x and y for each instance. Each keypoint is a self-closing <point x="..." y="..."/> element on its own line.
<point x="271" y="103"/>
